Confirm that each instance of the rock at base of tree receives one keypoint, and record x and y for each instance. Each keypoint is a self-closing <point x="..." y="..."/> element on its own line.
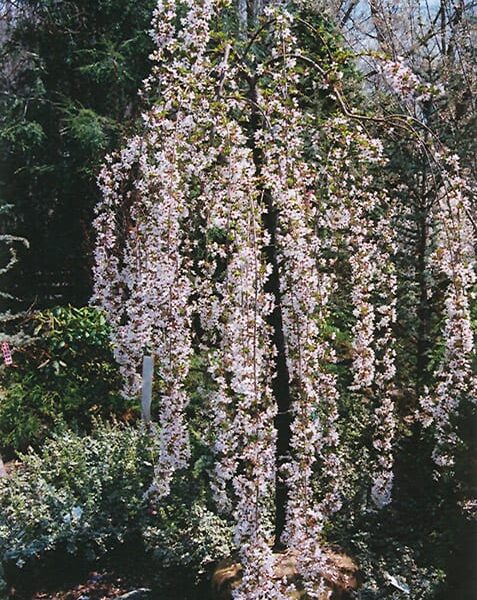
<point x="341" y="576"/>
<point x="7" y="468"/>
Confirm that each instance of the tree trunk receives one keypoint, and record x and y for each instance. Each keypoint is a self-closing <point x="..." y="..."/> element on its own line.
<point x="280" y="383"/>
<point x="423" y="306"/>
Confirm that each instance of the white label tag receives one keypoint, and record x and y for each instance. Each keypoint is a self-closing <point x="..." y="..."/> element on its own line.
<point x="147" y="377"/>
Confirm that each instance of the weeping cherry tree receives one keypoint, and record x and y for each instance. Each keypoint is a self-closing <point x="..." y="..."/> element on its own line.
<point x="220" y="232"/>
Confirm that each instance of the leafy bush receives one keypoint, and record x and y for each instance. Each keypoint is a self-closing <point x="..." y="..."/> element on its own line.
<point x="66" y="375"/>
<point x="393" y="573"/>
<point x="185" y="541"/>
<point x="82" y="493"/>
<point x="87" y="495"/>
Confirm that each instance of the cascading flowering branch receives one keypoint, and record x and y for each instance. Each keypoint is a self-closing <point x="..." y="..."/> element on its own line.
<point x="193" y="158"/>
<point x="144" y="280"/>
<point x="412" y="91"/>
<point x="181" y="234"/>
<point x="305" y="287"/>
<point x="362" y="216"/>
<point x="242" y="405"/>
<point x="454" y="260"/>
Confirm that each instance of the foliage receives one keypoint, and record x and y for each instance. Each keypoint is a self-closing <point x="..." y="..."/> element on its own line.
<point x="425" y="538"/>
<point x="394" y="575"/>
<point x="69" y="73"/>
<point x="79" y="493"/>
<point x="65" y="375"/>
<point x="86" y="495"/>
<point x="185" y="542"/>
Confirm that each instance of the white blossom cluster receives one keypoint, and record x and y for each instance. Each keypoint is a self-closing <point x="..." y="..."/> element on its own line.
<point x="363" y="216"/>
<point x="406" y="84"/>
<point x="305" y="290"/>
<point x="144" y="281"/>
<point x="242" y="406"/>
<point x="453" y="259"/>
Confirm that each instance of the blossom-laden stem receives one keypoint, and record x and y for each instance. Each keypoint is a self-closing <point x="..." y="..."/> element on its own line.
<point x="304" y="289"/>
<point x="144" y="284"/>
<point x="453" y="259"/>
<point x="243" y="409"/>
<point x="363" y="216"/>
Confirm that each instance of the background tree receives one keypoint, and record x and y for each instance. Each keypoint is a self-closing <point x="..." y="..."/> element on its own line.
<point x="70" y="73"/>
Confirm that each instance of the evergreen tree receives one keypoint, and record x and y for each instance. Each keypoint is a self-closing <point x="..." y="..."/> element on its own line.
<point x="70" y="72"/>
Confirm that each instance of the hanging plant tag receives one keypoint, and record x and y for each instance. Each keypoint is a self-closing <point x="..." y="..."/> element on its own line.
<point x="147" y="376"/>
<point x="7" y="356"/>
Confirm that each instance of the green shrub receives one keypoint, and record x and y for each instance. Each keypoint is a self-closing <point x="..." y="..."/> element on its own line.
<point x="184" y="542"/>
<point x="392" y="571"/>
<point x="87" y="495"/>
<point x="81" y="493"/>
<point x="67" y="375"/>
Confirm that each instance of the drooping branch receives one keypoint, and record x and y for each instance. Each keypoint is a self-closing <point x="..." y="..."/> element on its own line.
<point x="454" y="259"/>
